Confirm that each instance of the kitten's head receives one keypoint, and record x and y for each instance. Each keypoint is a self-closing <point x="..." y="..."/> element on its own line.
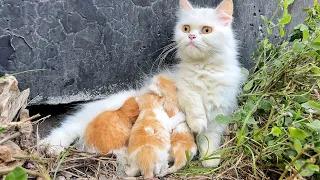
<point x="201" y="33"/>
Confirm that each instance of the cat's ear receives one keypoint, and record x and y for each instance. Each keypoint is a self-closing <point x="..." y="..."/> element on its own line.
<point x="185" y="5"/>
<point x="225" y="11"/>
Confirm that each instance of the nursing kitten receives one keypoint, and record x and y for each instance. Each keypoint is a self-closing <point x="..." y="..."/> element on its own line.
<point x="110" y="130"/>
<point x="181" y="138"/>
<point x="149" y="141"/>
<point x="118" y="110"/>
<point x="208" y="77"/>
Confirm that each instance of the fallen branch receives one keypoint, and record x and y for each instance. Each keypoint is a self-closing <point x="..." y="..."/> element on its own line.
<point x="19" y="123"/>
<point x="12" y="136"/>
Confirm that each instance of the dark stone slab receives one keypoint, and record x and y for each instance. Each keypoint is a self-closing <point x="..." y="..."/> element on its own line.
<point x="91" y="48"/>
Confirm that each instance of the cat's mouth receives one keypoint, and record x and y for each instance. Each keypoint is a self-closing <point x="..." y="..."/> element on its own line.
<point x="192" y="44"/>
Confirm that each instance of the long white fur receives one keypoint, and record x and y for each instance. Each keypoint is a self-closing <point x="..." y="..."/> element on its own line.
<point x="74" y="126"/>
<point x="208" y="77"/>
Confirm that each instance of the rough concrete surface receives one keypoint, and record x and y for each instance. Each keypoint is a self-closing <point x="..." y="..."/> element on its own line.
<point x="91" y="48"/>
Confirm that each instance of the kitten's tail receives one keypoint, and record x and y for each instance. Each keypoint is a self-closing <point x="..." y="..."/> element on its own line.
<point x="146" y="159"/>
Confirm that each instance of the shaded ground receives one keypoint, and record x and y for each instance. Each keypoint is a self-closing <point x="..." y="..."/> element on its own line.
<point x="57" y="112"/>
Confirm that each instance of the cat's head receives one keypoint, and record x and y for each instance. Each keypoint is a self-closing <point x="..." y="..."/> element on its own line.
<point x="201" y="33"/>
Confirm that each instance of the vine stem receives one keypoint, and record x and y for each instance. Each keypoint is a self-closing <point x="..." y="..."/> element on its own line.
<point x="292" y="162"/>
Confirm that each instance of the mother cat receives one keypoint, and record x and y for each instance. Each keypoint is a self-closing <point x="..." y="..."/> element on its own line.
<point x="208" y="77"/>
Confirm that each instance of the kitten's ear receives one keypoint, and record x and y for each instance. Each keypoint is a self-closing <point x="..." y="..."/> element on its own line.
<point x="225" y="11"/>
<point x="185" y="5"/>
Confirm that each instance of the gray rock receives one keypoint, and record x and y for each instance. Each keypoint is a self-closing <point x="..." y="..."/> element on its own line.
<point x="92" y="48"/>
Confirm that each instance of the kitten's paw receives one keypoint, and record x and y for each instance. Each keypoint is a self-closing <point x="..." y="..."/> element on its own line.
<point x="212" y="162"/>
<point x="167" y="171"/>
<point x="198" y="125"/>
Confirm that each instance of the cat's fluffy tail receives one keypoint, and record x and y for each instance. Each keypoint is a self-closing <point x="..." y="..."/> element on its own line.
<point x="74" y="126"/>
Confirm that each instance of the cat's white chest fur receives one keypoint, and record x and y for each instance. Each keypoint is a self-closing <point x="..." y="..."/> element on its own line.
<point x="215" y="84"/>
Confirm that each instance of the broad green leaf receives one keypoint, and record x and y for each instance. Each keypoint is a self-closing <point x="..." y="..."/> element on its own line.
<point x="281" y="31"/>
<point x="301" y="98"/>
<point x="222" y="119"/>
<point x="297" y="133"/>
<point x="315" y="45"/>
<point x="309" y="170"/>
<point x="248" y="86"/>
<point x="297" y="145"/>
<point x="285" y="19"/>
<point x="278" y="63"/>
<point x="17" y="173"/>
<point x="317" y="149"/>
<point x="311" y="105"/>
<point x="265" y="105"/>
<point x="305" y="35"/>
<point x="237" y="116"/>
<point x="315" y="70"/>
<point x="315" y="125"/>
<point x="251" y="120"/>
<point x="275" y="131"/>
<point x="298" y="47"/>
<point x="245" y="72"/>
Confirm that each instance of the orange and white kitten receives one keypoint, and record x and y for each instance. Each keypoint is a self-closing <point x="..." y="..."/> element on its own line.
<point x="94" y="125"/>
<point x="149" y="141"/>
<point x="110" y="130"/>
<point x="182" y="138"/>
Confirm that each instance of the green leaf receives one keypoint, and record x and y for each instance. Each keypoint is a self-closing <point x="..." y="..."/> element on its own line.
<point x="265" y="105"/>
<point x="248" y="86"/>
<point x="275" y="131"/>
<point x="264" y="18"/>
<point x="265" y="42"/>
<point x="315" y="45"/>
<point x="269" y="30"/>
<point x="303" y="27"/>
<point x="309" y="170"/>
<point x="297" y="133"/>
<point x="315" y="70"/>
<point x="315" y="125"/>
<point x="2" y="129"/>
<point x="301" y="98"/>
<point x="297" y="145"/>
<point x="298" y="47"/>
<point x="222" y="119"/>
<point x="285" y="19"/>
<point x="17" y="173"/>
<point x="290" y="1"/>
<point x="245" y="72"/>
<point x="311" y="105"/>
<point x="305" y="35"/>
<point x="278" y="63"/>
<point x="281" y="31"/>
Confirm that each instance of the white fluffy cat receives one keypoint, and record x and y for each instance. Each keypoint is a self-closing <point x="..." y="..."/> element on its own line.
<point x="209" y="76"/>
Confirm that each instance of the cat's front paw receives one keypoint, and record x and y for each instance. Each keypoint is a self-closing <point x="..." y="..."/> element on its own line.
<point x="212" y="162"/>
<point x="198" y="125"/>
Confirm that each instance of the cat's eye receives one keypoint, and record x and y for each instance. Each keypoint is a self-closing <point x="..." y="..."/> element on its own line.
<point x="186" y="28"/>
<point x="206" y="30"/>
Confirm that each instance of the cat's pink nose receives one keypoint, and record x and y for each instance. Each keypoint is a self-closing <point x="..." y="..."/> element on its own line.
<point x="191" y="36"/>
